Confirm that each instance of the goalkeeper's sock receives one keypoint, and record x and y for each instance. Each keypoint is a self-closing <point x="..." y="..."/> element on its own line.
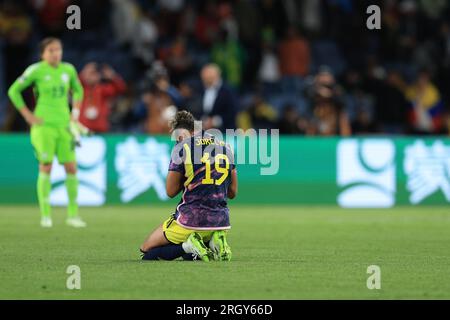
<point x="43" y="192"/>
<point x="72" y="193"/>
<point x="167" y="252"/>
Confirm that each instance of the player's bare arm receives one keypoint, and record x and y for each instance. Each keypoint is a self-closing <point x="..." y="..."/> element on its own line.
<point x="15" y="93"/>
<point x="29" y="116"/>
<point x="174" y="183"/>
<point x="76" y="107"/>
<point x="233" y="188"/>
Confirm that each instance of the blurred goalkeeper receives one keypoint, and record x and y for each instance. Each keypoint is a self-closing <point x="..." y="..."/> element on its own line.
<point x="203" y="168"/>
<point x="55" y="131"/>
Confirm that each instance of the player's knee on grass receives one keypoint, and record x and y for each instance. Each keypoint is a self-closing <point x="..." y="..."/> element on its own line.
<point x="145" y="248"/>
<point x="155" y="239"/>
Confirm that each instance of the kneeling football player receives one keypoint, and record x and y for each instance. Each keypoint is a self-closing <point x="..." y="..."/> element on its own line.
<point x="203" y="168"/>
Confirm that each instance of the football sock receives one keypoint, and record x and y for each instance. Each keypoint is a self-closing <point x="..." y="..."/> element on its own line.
<point x="72" y="193"/>
<point x="167" y="252"/>
<point x="43" y="192"/>
<point x="188" y="256"/>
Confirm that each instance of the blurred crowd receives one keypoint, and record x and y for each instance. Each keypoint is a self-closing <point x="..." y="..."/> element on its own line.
<point x="306" y="67"/>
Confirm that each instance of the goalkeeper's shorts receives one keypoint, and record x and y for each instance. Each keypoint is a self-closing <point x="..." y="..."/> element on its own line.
<point x="177" y="234"/>
<point x="50" y="141"/>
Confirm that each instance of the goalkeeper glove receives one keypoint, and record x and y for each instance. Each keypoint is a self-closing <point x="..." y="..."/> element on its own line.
<point x="78" y="130"/>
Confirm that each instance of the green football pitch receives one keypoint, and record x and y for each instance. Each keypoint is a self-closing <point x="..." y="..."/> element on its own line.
<point x="282" y="252"/>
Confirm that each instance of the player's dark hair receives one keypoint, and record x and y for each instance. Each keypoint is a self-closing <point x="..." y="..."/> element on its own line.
<point x="183" y="120"/>
<point x="46" y="42"/>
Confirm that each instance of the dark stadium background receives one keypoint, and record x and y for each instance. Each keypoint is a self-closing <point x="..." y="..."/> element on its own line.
<point x="141" y="40"/>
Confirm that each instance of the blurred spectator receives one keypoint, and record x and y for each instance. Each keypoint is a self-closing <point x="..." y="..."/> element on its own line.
<point x="329" y="116"/>
<point x="292" y="11"/>
<point x="101" y="85"/>
<point x="169" y="17"/>
<point x="443" y="60"/>
<point x="248" y="21"/>
<point x="123" y="16"/>
<point x="15" y="31"/>
<point x="294" y="57"/>
<point x="178" y="60"/>
<point x="433" y="8"/>
<point x="426" y="106"/>
<point x="391" y="106"/>
<point x="291" y="122"/>
<point x="324" y="87"/>
<point x="191" y="99"/>
<point x="329" y="120"/>
<point x="95" y="14"/>
<point x="362" y="124"/>
<point x="258" y="46"/>
<point x="219" y="105"/>
<point x="52" y="15"/>
<point x="171" y="5"/>
<point x="408" y="29"/>
<point x="249" y="25"/>
<point x="187" y="21"/>
<point x="122" y="117"/>
<point x="207" y="24"/>
<point x="135" y="28"/>
<point x="228" y="54"/>
<point x="158" y="76"/>
<point x="311" y="16"/>
<point x="273" y="15"/>
<point x="163" y="84"/>
<point x="269" y="70"/>
<point x="359" y="106"/>
<point x="227" y="51"/>
<point x="227" y="20"/>
<point x="144" y="38"/>
<point x="259" y="115"/>
<point x="158" y="110"/>
<point x="447" y="123"/>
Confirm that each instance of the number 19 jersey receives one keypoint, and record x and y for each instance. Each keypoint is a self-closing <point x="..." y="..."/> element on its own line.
<point x="206" y="164"/>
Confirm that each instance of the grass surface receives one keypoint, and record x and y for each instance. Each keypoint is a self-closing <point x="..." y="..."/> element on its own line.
<point x="278" y="253"/>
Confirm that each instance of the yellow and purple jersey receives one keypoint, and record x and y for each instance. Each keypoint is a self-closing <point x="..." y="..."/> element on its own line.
<point x="206" y="164"/>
